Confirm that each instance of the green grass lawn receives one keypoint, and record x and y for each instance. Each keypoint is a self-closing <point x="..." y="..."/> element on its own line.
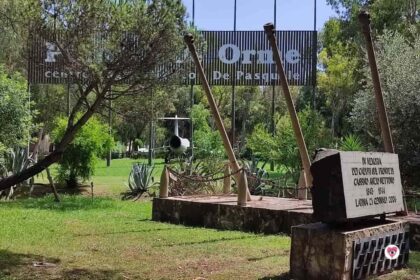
<point x="112" y="181"/>
<point x="106" y="238"/>
<point x="111" y="239"/>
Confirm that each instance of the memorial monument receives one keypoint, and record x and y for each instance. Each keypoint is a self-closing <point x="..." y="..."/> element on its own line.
<point x="354" y="195"/>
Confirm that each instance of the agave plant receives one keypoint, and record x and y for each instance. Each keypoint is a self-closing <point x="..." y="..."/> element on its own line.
<point x="140" y="181"/>
<point x="14" y="161"/>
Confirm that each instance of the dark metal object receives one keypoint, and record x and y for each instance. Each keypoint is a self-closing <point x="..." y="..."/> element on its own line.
<point x="109" y="155"/>
<point x="233" y="105"/>
<point x="233" y="115"/>
<point x="192" y="93"/>
<point x="68" y="100"/>
<point x="364" y="19"/>
<point x="273" y="96"/>
<point x="314" y="57"/>
<point x="369" y="258"/>
<point x="303" y="151"/>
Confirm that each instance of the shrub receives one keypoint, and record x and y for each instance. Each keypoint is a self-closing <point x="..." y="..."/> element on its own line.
<point x="282" y="147"/>
<point x="207" y="140"/>
<point x="15" y="118"/>
<point x="80" y="157"/>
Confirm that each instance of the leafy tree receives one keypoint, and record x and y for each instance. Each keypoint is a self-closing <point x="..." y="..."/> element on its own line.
<point x="80" y="157"/>
<point x="338" y="83"/>
<point x="207" y="141"/>
<point x="11" y="43"/>
<point x="316" y="136"/>
<point x="15" y="118"/>
<point x="395" y="15"/>
<point x="121" y="63"/>
<point x="282" y="147"/>
<point x="262" y="144"/>
<point x="398" y="61"/>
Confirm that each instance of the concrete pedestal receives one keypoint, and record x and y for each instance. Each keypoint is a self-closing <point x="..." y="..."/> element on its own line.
<point x="321" y="251"/>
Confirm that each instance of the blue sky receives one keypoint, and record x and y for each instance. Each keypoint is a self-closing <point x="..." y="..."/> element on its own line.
<point x="253" y="14"/>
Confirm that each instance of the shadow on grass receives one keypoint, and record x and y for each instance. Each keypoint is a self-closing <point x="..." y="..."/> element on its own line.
<point x="10" y="262"/>
<point x="283" y="276"/>
<point x="124" y="232"/>
<point x="30" y="266"/>
<point x="42" y="190"/>
<point x="68" y="203"/>
<point x="9" y="259"/>
<point x="82" y="273"/>
<point x="206" y="241"/>
<point x="255" y="259"/>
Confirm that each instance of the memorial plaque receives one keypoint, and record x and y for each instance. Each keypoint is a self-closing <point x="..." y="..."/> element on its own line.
<point x="372" y="183"/>
<point x="349" y="185"/>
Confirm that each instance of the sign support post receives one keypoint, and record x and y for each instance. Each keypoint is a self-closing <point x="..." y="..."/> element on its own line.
<point x="243" y="191"/>
<point x="269" y="30"/>
<point x="364" y="19"/>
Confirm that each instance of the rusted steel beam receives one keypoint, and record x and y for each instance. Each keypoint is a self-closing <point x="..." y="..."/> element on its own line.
<point x="303" y="151"/>
<point x="364" y="19"/>
<point x="243" y="191"/>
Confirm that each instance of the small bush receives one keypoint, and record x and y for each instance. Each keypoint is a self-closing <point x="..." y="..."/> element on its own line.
<point x="80" y="157"/>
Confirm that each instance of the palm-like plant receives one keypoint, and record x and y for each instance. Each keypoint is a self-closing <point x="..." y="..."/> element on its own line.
<point x="140" y="181"/>
<point x="351" y="143"/>
<point x="256" y="175"/>
<point x="14" y="162"/>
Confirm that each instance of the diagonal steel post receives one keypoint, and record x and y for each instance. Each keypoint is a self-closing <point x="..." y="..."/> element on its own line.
<point x="303" y="151"/>
<point x="240" y="176"/>
<point x="364" y="19"/>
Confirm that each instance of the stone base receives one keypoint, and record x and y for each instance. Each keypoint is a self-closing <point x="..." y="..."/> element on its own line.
<point x="320" y="251"/>
<point x="269" y="215"/>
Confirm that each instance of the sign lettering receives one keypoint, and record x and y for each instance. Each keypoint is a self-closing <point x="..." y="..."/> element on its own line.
<point x="371" y="183"/>
<point x="228" y="57"/>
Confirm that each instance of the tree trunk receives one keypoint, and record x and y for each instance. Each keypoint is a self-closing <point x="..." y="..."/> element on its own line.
<point x="31" y="171"/>
<point x="55" y="155"/>
<point x="54" y="190"/>
<point x="35" y="153"/>
<point x="36" y="146"/>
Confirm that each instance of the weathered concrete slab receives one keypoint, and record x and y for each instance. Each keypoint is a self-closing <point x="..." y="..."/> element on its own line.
<point x="320" y="251"/>
<point x="354" y="185"/>
<point x="270" y="215"/>
<point x="264" y="215"/>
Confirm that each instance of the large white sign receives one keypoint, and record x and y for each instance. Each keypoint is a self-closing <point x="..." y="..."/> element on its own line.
<point x="371" y="183"/>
